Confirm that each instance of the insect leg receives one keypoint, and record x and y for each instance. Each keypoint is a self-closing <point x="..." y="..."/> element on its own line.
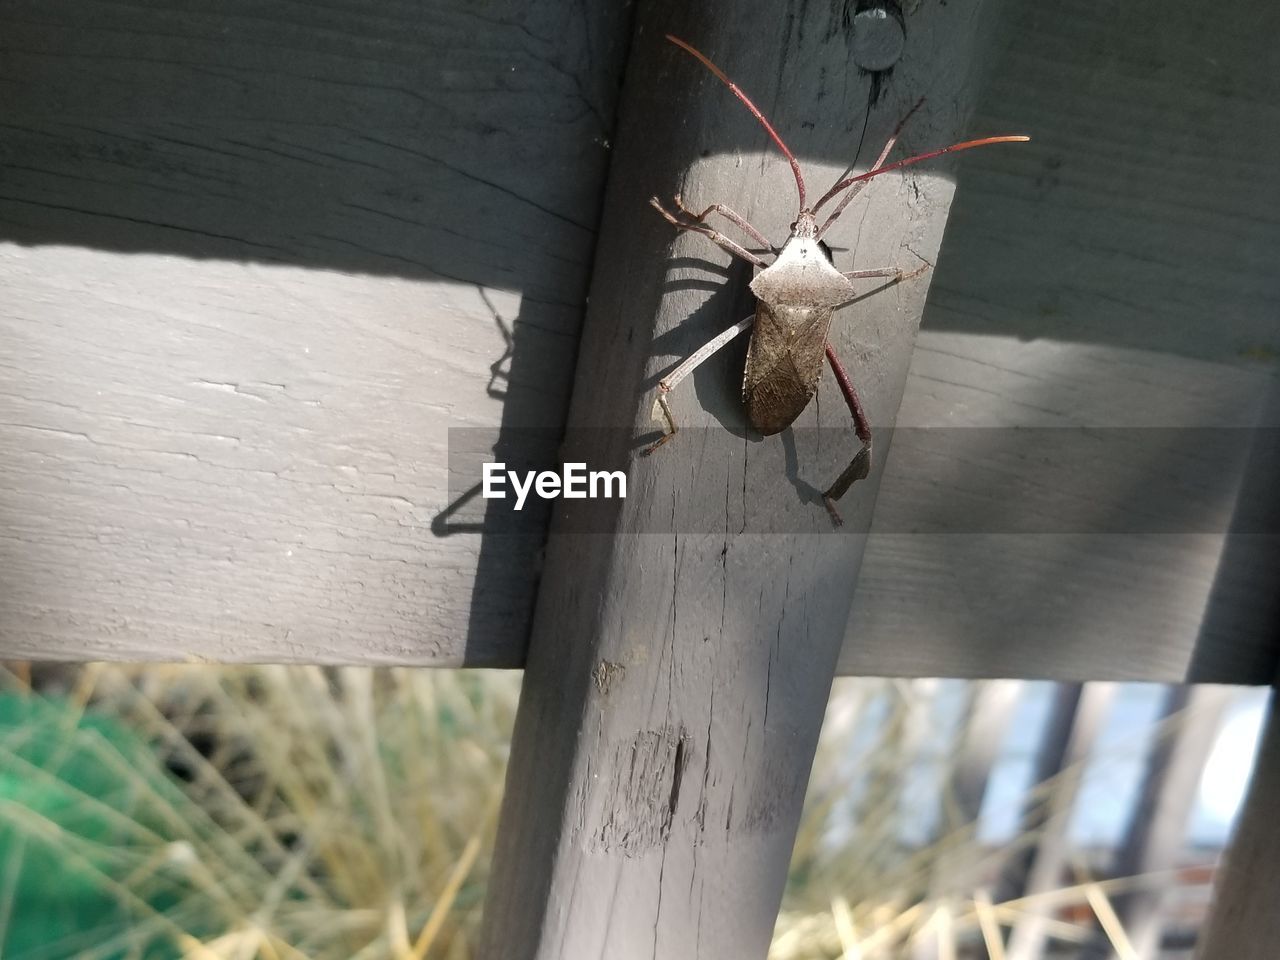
<point x="857" y="187"/>
<point x="895" y="272"/>
<point x="730" y="215"/>
<point x="714" y="235"/>
<point x="860" y="465"/>
<point x="668" y="383"/>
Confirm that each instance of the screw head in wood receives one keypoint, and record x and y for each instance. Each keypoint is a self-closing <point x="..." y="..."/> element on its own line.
<point x="879" y="35"/>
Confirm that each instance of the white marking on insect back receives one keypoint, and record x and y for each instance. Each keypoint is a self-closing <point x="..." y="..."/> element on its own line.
<point x="802" y="276"/>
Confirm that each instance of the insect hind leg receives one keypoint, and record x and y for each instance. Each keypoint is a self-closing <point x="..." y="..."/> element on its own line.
<point x="860" y="466"/>
<point x="661" y="409"/>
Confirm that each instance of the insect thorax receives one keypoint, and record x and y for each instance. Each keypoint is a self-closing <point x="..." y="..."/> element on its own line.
<point x="802" y="276"/>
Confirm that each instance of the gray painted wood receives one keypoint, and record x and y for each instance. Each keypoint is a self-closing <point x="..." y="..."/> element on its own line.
<point x="676" y="681"/>
<point x="1117" y="272"/>
<point x="253" y="262"/>
<point x="1244" y="923"/>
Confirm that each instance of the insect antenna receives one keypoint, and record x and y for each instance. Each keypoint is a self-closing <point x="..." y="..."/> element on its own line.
<point x="954" y="148"/>
<point x="755" y="111"/>
<point x="884" y="155"/>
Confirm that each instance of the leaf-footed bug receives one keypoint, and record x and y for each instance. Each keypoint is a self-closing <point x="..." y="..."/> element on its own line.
<point x="796" y="296"/>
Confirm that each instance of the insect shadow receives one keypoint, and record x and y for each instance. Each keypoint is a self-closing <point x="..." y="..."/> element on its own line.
<point x="499" y="372"/>
<point x="718" y="382"/>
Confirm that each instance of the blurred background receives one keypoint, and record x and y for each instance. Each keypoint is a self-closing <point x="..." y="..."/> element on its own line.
<point x="309" y="812"/>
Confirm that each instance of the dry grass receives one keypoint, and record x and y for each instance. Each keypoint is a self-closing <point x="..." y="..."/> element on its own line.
<point x="866" y="894"/>
<point x="349" y="813"/>
<point x="326" y="814"/>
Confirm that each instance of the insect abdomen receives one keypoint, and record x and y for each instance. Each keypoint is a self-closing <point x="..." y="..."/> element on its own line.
<point x="784" y="364"/>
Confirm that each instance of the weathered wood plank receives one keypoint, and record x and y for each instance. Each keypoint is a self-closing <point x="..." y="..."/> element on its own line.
<point x="679" y="666"/>
<point x="1244" y="923"/>
<point x="253" y="262"/>
<point x="1119" y="272"/>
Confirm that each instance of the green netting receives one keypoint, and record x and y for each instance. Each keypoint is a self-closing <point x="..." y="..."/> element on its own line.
<point x="92" y="852"/>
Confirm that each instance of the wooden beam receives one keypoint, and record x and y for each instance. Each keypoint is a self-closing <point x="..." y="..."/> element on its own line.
<point x="255" y="260"/>
<point x="1115" y="274"/>
<point x="680" y="665"/>
<point x="247" y="300"/>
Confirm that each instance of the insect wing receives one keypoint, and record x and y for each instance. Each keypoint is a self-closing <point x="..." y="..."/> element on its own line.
<point x="784" y="364"/>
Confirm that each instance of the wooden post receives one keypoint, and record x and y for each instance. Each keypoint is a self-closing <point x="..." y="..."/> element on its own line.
<point x="680" y="663"/>
<point x="1244" y="923"/>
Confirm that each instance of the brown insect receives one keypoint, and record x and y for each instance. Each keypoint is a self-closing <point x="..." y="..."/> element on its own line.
<point x="796" y="296"/>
